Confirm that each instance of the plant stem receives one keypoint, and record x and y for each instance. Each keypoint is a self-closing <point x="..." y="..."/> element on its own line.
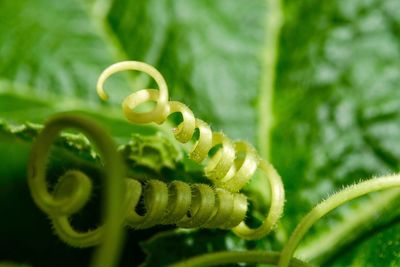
<point x="350" y="228"/>
<point x="341" y="197"/>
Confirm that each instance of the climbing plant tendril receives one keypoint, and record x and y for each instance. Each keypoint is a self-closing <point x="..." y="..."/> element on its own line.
<point x="230" y="168"/>
<point x="73" y="188"/>
<point x="229" y="165"/>
<point x="188" y="206"/>
<point x="285" y="258"/>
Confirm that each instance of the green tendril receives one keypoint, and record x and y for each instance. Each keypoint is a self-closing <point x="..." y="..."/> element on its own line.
<point x="221" y="258"/>
<point x="276" y="208"/>
<point x="73" y="189"/>
<point x="188" y="206"/>
<point x="339" y="198"/>
<point x="230" y="168"/>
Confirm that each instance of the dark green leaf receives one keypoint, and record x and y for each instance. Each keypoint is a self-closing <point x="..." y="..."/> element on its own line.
<point x="170" y="247"/>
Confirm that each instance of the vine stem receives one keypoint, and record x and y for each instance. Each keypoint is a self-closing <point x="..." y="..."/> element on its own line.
<point x="351" y="227"/>
<point x="339" y="198"/>
<point x="226" y="257"/>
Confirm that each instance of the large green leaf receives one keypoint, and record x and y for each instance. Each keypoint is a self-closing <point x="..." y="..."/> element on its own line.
<point x="377" y="248"/>
<point x="52" y="53"/>
<point x="334" y="105"/>
<point x="51" y="50"/>
<point x="50" y="62"/>
<point x="337" y="113"/>
<point x="209" y="52"/>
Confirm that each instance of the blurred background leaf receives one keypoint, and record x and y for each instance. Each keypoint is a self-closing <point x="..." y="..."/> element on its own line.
<point x="334" y="107"/>
<point x="337" y="115"/>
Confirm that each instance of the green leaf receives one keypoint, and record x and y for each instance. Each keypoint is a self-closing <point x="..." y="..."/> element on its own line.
<point x="153" y="152"/>
<point x="337" y="112"/>
<point x="51" y="50"/>
<point x="76" y="143"/>
<point x="50" y="63"/>
<point x="208" y="51"/>
<point x="378" y="248"/>
<point x="331" y="98"/>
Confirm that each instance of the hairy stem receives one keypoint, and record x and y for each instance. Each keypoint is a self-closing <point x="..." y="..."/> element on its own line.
<point x="352" y="226"/>
<point x="341" y="197"/>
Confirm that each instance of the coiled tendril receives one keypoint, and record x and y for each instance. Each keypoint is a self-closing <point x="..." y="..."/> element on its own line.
<point x="188" y="206"/>
<point x="185" y="205"/>
<point x="179" y="203"/>
<point x="285" y="258"/>
<point x="230" y="168"/>
<point x="220" y="168"/>
<point x="73" y="189"/>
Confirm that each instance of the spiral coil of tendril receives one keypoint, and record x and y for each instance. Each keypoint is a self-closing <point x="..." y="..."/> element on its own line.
<point x="230" y="168"/>
<point x="196" y="205"/>
<point x="73" y="189"/>
<point x="221" y="168"/>
<point x="179" y="203"/>
<point x="188" y="206"/>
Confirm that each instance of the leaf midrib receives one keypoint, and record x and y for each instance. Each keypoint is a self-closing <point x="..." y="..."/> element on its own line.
<point x="270" y="53"/>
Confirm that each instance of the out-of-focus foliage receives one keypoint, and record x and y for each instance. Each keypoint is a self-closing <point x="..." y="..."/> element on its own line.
<point x="335" y="116"/>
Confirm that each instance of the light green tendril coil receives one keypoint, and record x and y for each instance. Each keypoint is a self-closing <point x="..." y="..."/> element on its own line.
<point x="73" y="189"/>
<point x="285" y="258"/>
<point x="185" y="205"/>
<point x="180" y="203"/>
<point x="230" y="168"/>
